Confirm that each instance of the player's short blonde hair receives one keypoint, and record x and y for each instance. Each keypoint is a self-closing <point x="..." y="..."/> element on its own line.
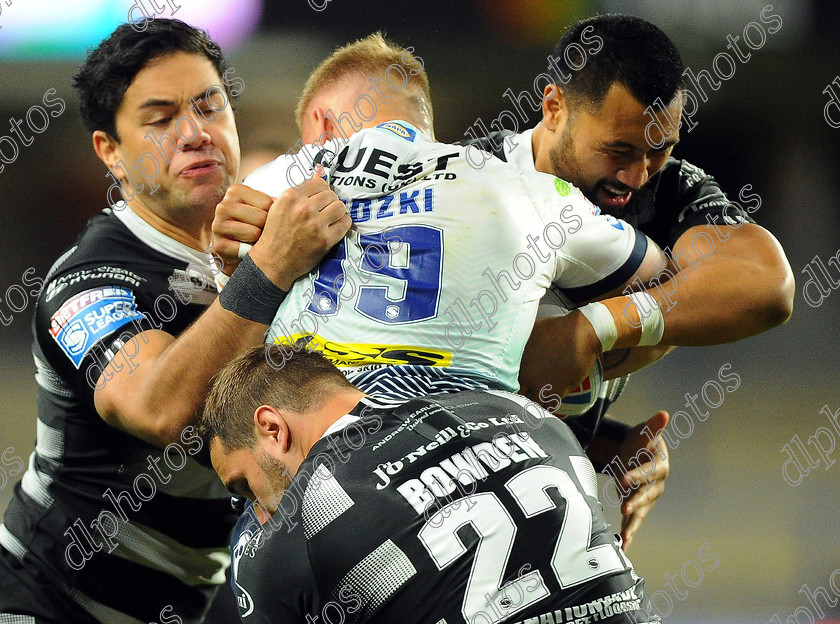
<point x="372" y="57"/>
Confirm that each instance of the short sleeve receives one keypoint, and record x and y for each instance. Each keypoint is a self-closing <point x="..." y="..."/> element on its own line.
<point x="686" y="196"/>
<point x="81" y="330"/>
<point x="594" y="253"/>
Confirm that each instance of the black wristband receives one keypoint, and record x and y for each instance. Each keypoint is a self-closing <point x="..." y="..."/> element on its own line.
<point x="250" y="294"/>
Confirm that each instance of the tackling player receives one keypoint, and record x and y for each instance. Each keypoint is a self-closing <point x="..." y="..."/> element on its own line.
<point x="466" y="507"/>
<point x="729" y="277"/>
<point x="128" y="332"/>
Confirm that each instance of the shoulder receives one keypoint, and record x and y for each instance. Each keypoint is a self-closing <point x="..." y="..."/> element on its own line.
<point x="680" y="196"/>
<point x="102" y="253"/>
<point x="679" y="182"/>
<point x="277" y="176"/>
<point x="109" y="280"/>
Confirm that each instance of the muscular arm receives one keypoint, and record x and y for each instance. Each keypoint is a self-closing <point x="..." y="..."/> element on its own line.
<point x="561" y="350"/>
<point x="161" y="393"/>
<point x="743" y="288"/>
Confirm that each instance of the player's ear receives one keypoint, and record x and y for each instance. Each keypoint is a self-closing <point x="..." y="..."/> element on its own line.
<point x="324" y="124"/>
<point x="272" y="428"/>
<point x="105" y="147"/>
<point x="554" y="107"/>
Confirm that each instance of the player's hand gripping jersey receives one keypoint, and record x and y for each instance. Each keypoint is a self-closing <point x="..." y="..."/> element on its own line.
<point x="460" y="508"/>
<point x="445" y="266"/>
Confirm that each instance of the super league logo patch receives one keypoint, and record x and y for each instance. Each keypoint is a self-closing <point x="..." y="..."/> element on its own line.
<point x="89" y="316"/>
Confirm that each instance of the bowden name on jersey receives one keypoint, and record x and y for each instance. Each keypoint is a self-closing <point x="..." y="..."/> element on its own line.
<point x="458" y="508"/>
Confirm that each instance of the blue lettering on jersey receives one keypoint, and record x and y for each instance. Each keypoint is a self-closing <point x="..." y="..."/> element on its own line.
<point x="400" y="130"/>
<point x="407" y="202"/>
<point x="86" y="318"/>
<point x="614" y="222"/>
<point x="385" y="210"/>
<point x="360" y="210"/>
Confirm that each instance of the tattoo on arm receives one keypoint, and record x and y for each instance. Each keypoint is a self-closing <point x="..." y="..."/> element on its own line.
<point x="616" y="357"/>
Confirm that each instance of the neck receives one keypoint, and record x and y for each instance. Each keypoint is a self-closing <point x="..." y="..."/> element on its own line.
<point x="540" y="159"/>
<point x="317" y="421"/>
<point x="409" y="107"/>
<point x="196" y="235"/>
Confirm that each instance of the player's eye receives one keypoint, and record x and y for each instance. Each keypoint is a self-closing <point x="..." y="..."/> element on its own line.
<point x="617" y="151"/>
<point x="160" y="122"/>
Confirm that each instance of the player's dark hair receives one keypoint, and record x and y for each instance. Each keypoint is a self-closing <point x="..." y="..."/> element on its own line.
<point x="303" y="382"/>
<point x="632" y="52"/>
<point x="110" y="68"/>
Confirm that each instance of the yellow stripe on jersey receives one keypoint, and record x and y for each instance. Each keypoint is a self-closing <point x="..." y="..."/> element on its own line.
<point x="358" y="354"/>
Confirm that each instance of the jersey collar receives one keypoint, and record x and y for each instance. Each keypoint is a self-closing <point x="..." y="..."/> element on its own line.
<point x="156" y="239"/>
<point x="338" y="425"/>
<point x="522" y="156"/>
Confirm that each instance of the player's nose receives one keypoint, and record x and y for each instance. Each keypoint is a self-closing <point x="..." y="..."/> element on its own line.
<point x="191" y="132"/>
<point x="636" y="173"/>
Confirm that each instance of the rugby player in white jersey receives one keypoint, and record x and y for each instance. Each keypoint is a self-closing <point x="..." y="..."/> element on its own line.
<point x="337" y="85"/>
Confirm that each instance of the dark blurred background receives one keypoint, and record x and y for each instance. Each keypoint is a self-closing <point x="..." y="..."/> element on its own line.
<point x="763" y="127"/>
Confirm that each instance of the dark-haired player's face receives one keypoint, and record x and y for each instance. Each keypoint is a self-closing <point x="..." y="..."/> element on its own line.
<point x="253" y="474"/>
<point x="606" y="152"/>
<point x="184" y="154"/>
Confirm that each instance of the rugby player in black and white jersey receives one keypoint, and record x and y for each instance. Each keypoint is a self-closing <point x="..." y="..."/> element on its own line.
<point x="128" y="331"/>
<point x="732" y="279"/>
<point x="468" y="507"/>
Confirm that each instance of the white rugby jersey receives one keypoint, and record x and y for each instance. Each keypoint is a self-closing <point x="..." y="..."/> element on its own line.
<point x="443" y="270"/>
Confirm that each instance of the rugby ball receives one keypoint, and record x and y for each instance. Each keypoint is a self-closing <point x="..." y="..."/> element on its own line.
<point x="582" y="398"/>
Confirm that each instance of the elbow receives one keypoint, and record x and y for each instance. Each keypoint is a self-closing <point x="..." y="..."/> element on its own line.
<point x="779" y="303"/>
<point x="166" y="431"/>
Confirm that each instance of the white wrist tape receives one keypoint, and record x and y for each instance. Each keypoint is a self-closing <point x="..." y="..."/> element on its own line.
<point x="653" y="323"/>
<point x="602" y="322"/>
<point x="244" y="248"/>
<point x="221" y="281"/>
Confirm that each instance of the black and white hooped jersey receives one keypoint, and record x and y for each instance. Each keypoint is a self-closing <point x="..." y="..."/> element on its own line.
<point x="456" y="508"/>
<point x="126" y="529"/>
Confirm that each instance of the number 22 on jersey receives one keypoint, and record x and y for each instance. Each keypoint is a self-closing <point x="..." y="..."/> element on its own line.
<point x="573" y="561"/>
